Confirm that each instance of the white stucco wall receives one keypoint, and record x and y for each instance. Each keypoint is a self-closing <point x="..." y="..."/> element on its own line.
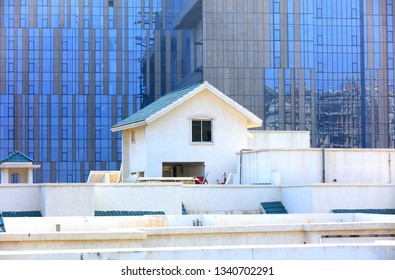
<point x="169" y="137"/>
<point x="67" y="199"/>
<point x="228" y="253"/>
<point x="134" y="154"/>
<point x="203" y="199"/>
<point x="83" y="199"/>
<point x="139" y="197"/>
<point x="266" y="139"/>
<point x="304" y="166"/>
<point x="223" y="236"/>
<point x="351" y="196"/>
<point x="20" y="197"/>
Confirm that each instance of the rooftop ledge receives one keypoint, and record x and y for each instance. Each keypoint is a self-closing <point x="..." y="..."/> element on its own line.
<point x="74" y="235"/>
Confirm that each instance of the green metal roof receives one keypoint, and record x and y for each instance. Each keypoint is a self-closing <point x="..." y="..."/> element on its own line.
<point x="14" y="214"/>
<point x="2" y="227"/>
<point x="275" y="207"/>
<point x="17" y="157"/>
<point x="128" y="213"/>
<point x="366" y="211"/>
<point x="156" y="106"/>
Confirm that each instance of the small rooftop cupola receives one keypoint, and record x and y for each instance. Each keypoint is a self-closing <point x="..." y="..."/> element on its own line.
<point x="17" y="168"/>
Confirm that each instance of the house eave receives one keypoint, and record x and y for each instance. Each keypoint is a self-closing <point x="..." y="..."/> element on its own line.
<point x="129" y="126"/>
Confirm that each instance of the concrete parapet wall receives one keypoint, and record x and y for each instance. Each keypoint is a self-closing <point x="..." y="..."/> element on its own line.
<point x="258" y="252"/>
<point x="305" y="166"/>
<point x="230" y="199"/>
<point x="139" y="197"/>
<point x="322" y="198"/>
<point x="85" y="199"/>
<point x="65" y="233"/>
<point x="67" y="199"/>
<point x="20" y="197"/>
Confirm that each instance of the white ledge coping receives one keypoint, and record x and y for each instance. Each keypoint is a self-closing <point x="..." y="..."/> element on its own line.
<point x="131" y="234"/>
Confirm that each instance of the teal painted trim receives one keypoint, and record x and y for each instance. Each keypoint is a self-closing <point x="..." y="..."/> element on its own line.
<point x="2" y="226"/>
<point x="275" y="207"/>
<point x="128" y="213"/>
<point x="16" y="214"/>
<point x="365" y="211"/>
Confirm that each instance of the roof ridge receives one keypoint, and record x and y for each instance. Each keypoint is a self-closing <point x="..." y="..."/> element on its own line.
<point x="17" y="156"/>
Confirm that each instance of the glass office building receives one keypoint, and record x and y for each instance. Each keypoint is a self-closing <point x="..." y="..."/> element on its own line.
<point x="323" y="66"/>
<point x="70" y="69"/>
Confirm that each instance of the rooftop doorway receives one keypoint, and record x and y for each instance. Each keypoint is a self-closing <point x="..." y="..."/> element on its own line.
<point x="183" y="169"/>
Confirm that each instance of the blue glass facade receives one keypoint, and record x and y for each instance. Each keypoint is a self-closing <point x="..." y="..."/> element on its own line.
<point x="70" y="69"/>
<point x="322" y="66"/>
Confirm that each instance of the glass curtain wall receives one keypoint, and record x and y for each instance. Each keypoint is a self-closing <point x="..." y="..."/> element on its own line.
<point x="71" y="69"/>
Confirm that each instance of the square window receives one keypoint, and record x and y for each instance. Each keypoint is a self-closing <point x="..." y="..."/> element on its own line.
<point x="353" y="13"/>
<point x="391" y="63"/>
<point x="276" y="34"/>
<point x="354" y="40"/>
<point x="201" y="131"/>
<point x="276" y="7"/>
<point x="355" y="67"/>
<point x="320" y="67"/>
<point x="319" y="12"/>
<point x="319" y="40"/>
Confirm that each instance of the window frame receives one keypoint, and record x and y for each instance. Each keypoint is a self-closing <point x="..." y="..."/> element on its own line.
<point x="201" y="118"/>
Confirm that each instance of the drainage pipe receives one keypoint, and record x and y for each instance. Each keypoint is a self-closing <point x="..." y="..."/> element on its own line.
<point x="323" y="159"/>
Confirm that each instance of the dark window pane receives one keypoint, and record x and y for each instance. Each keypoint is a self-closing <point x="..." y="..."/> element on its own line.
<point x="206" y="131"/>
<point x="196" y="131"/>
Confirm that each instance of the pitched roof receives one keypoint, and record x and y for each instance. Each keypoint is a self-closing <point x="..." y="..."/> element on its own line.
<point x="17" y="157"/>
<point x="156" y="106"/>
<point x="172" y="99"/>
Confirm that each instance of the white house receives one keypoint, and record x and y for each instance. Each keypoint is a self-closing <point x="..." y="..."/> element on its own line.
<point x="194" y="131"/>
